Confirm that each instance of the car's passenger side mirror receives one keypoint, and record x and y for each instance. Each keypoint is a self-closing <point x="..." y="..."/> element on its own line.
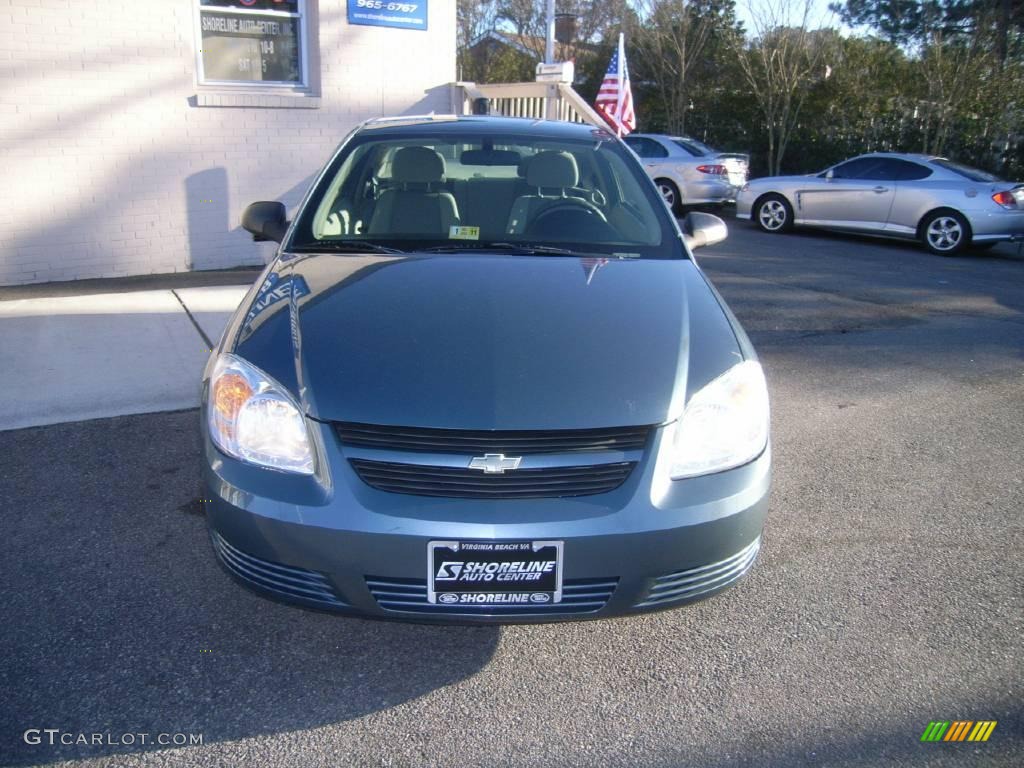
<point x="266" y="221"/>
<point x="701" y="229"/>
<point x="830" y="174"/>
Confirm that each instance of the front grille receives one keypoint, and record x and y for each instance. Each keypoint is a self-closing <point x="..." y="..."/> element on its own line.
<point x="454" y="482"/>
<point x="285" y="580"/>
<point x="692" y="583"/>
<point x="410" y="596"/>
<point x="476" y="442"/>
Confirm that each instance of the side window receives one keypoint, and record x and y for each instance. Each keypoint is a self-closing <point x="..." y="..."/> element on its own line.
<point x="646" y="148"/>
<point x="883" y="169"/>
<point x="911" y="171"/>
<point x="633" y="220"/>
<point x="636" y="144"/>
<point x="656" y="150"/>
<point x="854" y="169"/>
<point x="689" y="147"/>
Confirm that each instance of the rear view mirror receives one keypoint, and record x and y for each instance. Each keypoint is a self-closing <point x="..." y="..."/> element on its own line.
<point x="701" y="229"/>
<point x="490" y="157"/>
<point x="266" y="221"/>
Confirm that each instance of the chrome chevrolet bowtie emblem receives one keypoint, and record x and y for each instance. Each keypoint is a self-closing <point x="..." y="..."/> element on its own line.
<point x="495" y="463"/>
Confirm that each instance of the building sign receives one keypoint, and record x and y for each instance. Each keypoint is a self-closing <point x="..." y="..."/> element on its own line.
<point x="388" y="13"/>
<point x="251" y="41"/>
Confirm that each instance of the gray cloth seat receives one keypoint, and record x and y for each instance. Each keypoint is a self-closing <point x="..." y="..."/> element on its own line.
<point x="486" y="203"/>
<point x="414" y="206"/>
<point x="553" y="175"/>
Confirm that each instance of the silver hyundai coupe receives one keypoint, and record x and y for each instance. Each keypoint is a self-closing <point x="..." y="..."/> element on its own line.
<point x="483" y="380"/>
<point x="947" y="206"/>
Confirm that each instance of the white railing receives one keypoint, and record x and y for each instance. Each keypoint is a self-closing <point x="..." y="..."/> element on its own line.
<point x="542" y="101"/>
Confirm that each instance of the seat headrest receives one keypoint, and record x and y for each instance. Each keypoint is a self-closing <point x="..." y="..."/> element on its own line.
<point x="417" y="165"/>
<point x="552" y="169"/>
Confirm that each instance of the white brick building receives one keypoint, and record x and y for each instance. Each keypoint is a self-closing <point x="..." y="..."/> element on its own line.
<point x="126" y="149"/>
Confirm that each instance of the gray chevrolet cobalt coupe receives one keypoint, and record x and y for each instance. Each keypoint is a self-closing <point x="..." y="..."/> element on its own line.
<point x="483" y="380"/>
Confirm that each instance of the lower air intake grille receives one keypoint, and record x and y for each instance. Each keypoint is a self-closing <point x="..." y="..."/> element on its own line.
<point x="410" y="596"/>
<point x="474" y="442"/>
<point x="690" y="584"/>
<point x="285" y="580"/>
<point x="454" y="482"/>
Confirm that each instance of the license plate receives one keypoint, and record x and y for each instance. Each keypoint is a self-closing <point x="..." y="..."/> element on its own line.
<point x="494" y="573"/>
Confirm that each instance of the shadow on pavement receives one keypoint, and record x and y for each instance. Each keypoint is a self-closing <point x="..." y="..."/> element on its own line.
<point x="118" y="619"/>
<point x="783" y="287"/>
<point x="894" y="743"/>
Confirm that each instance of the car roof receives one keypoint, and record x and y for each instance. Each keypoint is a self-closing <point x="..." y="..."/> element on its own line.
<point x="427" y="125"/>
<point x="916" y="156"/>
<point x="669" y="136"/>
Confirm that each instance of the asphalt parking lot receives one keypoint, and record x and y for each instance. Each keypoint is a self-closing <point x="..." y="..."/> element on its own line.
<point x="888" y="592"/>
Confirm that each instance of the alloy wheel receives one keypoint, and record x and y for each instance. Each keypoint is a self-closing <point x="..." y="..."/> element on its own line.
<point x="772" y="215"/>
<point x="668" y="194"/>
<point x="944" y="233"/>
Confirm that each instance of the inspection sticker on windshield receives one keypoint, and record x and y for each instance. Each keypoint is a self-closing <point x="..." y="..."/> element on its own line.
<point x="463" y="233"/>
<point x="494" y="573"/>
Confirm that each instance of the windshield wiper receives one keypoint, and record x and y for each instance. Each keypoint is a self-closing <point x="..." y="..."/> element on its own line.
<point x="344" y="246"/>
<point x="524" y="248"/>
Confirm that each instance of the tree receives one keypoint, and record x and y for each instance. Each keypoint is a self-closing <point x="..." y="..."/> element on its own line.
<point x="780" y="64"/>
<point x="913" y="22"/>
<point x="966" y="54"/>
<point x="524" y="22"/>
<point x="473" y="18"/>
<point x="593" y="20"/>
<point x="670" y="39"/>
<point x="719" y="104"/>
<point x="863" y="105"/>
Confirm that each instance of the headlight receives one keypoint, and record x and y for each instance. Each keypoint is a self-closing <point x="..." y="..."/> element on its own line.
<point x="253" y="418"/>
<point x="724" y="425"/>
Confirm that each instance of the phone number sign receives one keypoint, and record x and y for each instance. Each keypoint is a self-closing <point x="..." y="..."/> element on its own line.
<point x="388" y="13"/>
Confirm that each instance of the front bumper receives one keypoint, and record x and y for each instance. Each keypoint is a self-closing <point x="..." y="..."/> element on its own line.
<point x="331" y="542"/>
<point x="744" y="204"/>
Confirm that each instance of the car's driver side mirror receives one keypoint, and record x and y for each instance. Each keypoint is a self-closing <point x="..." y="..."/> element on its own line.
<point x="830" y="174"/>
<point x="266" y="221"/>
<point x="701" y="229"/>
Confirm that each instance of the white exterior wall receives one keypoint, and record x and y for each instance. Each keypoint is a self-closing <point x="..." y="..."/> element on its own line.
<point x="111" y="163"/>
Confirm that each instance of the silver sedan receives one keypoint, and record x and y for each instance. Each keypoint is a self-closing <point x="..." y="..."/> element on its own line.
<point x="689" y="172"/>
<point x="945" y="205"/>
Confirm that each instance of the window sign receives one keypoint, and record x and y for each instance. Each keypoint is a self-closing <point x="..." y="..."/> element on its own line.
<point x="388" y="13"/>
<point x="246" y="42"/>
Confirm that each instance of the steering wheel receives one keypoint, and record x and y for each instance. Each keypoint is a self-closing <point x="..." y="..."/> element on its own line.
<point x="567" y="206"/>
<point x="562" y="217"/>
<point x="594" y="196"/>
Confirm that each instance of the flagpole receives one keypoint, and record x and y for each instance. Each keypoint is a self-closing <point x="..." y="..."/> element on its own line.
<point x="622" y="69"/>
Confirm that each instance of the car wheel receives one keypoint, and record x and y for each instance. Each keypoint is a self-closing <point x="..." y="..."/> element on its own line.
<point x="945" y="233"/>
<point x="670" y="194"/>
<point x="773" y="213"/>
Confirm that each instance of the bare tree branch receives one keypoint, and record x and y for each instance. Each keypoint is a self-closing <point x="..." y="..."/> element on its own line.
<point x="671" y="39"/>
<point x="785" y="56"/>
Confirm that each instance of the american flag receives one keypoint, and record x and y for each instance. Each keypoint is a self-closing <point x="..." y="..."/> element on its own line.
<point x="590" y="267"/>
<point x="615" y="99"/>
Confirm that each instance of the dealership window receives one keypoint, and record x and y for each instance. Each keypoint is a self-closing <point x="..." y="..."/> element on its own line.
<point x="254" y="43"/>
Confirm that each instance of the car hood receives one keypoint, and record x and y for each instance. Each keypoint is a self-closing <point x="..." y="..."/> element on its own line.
<point x="477" y="341"/>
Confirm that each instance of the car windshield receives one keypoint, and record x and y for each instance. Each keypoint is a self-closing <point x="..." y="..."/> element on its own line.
<point x="974" y="174"/>
<point x="466" y="191"/>
<point x="694" y="147"/>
